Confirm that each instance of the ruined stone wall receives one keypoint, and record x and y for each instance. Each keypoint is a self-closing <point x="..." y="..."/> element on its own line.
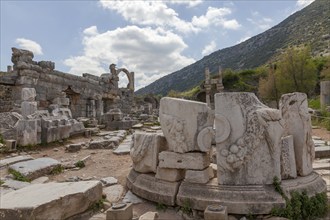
<point x="89" y="96"/>
<point x="6" y="101"/>
<point x="50" y="86"/>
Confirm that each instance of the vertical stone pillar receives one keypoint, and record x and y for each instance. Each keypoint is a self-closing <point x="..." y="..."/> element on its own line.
<point x="325" y="94"/>
<point x="207" y="86"/>
<point x="297" y="122"/>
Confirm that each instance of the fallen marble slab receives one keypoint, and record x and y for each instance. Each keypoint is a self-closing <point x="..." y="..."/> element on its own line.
<point x="123" y="148"/>
<point x="50" y="200"/>
<point x="14" y="184"/>
<point x="113" y="193"/>
<point x="6" y="162"/>
<point x="322" y="152"/>
<point x="108" y="181"/>
<point x="33" y="169"/>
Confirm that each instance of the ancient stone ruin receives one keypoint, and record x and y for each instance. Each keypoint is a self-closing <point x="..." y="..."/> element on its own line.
<point x="40" y="104"/>
<point x="253" y="144"/>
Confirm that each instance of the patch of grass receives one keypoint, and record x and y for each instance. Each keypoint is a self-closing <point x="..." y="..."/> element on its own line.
<point x="57" y="170"/>
<point x="314" y="103"/>
<point x="80" y="164"/>
<point x="161" y="207"/>
<point x="1" y="182"/>
<point x="2" y="141"/>
<point x="97" y="205"/>
<point x="18" y="176"/>
<point x="300" y="205"/>
<point x="186" y="208"/>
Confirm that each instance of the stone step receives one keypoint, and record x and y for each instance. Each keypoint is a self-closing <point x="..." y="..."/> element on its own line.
<point x="50" y="200"/>
<point x="33" y="169"/>
<point x="12" y="160"/>
<point x="322" y="152"/>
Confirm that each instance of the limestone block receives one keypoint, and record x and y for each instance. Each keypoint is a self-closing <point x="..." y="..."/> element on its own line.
<point x="216" y="212"/>
<point x="73" y="147"/>
<point x="149" y="216"/>
<point x="168" y="174"/>
<point x="150" y="188"/>
<point x="28" y="108"/>
<point x="297" y="122"/>
<point x="28" y="94"/>
<point x="248" y="140"/>
<point x="61" y="101"/>
<point x="27" y="132"/>
<point x="288" y="161"/>
<point x="120" y="211"/>
<point x="199" y="176"/>
<point x="101" y="144"/>
<point x="114" y="192"/>
<point x="11" y="145"/>
<point x="182" y="121"/>
<point x="12" y="160"/>
<point x="32" y="169"/>
<point x="50" y="200"/>
<point x="191" y="161"/>
<point x="144" y="153"/>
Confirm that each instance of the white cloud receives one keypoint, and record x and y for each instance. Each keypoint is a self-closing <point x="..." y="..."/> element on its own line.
<point x="209" y="48"/>
<point x="303" y="3"/>
<point x="91" y="31"/>
<point x="158" y="14"/>
<point x="190" y="3"/>
<point x="29" y="45"/>
<point x="148" y="13"/>
<point x="150" y="53"/>
<point x="216" y="17"/>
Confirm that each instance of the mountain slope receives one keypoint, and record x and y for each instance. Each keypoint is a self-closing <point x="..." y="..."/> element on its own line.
<point x="310" y="25"/>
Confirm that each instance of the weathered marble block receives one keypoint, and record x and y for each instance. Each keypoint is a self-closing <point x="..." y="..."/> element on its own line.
<point x="145" y="151"/>
<point x="28" y="108"/>
<point x="168" y="174"/>
<point x="182" y="121"/>
<point x="288" y="161"/>
<point x="28" y="94"/>
<point x="191" y="161"/>
<point x="248" y="140"/>
<point x="27" y="132"/>
<point x="199" y="176"/>
<point x="297" y="122"/>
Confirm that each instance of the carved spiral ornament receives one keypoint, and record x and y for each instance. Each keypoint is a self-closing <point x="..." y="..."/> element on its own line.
<point x="222" y="128"/>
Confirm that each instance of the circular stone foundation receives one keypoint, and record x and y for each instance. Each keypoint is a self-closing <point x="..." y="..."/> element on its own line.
<point x="255" y="199"/>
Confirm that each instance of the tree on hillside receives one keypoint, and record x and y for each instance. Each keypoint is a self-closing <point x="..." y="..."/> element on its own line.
<point x="325" y="72"/>
<point x="268" y="89"/>
<point x="294" y="71"/>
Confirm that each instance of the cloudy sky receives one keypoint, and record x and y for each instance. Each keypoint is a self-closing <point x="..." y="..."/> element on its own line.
<point x="151" y="38"/>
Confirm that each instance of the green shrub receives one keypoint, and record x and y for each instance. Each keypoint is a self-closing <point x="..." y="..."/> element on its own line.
<point x="57" y="170"/>
<point x="80" y="164"/>
<point x="300" y="206"/>
<point x="18" y="176"/>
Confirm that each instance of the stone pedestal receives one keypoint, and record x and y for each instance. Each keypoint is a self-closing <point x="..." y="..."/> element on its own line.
<point x="122" y="212"/>
<point x="216" y="212"/>
<point x="11" y="145"/>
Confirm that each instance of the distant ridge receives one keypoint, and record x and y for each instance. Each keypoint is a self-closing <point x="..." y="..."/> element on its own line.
<point x="310" y="25"/>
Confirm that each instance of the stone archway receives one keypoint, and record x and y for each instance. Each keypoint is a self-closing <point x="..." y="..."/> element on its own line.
<point x="130" y="77"/>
